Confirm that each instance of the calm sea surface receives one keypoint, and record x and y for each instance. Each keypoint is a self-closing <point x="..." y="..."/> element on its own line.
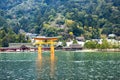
<point x="60" y="66"/>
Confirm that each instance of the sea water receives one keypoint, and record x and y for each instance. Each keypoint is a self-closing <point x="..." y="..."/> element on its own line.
<point x="62" y="65"/>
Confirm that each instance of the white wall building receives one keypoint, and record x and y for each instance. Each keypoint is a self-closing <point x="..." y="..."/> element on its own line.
<point x="69" y="43"/>
<point x="81" y="43"/>
<point x="113" y="41"/>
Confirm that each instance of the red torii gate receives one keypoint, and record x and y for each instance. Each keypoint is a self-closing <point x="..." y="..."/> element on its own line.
<point x="45" y="40"/>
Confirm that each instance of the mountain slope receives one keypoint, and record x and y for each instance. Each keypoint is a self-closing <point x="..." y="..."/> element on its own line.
<point x="41" y="16"/>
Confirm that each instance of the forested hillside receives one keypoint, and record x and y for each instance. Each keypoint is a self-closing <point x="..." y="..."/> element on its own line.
<point x="89" y="18"/>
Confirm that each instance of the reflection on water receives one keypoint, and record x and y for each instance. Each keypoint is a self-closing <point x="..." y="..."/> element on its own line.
<point x="52" y="65"/>
<point x="46" y="66"/>
<point x="60" y="66"/>
<point x="39" y="61"/>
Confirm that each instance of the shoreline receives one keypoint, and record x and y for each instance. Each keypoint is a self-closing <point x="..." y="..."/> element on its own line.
<point x="83" y="50"/>
<point x="101" y="50"/>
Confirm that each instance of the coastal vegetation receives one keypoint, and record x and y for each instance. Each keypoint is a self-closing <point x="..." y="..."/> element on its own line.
<point x="65" y="18"/>
<point x="104" y="45"/>
<point x="8" y="36"/>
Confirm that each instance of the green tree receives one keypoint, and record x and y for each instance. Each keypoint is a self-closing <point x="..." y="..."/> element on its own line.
<point x="5" y="42"/>
<point x="104" y="44"/>
<point x="2" y="21"/>
<point x="21" y="38"/>
<point x="95" y="33"/>
<point x="90" y="45"/>
<point x="2" y="34"/>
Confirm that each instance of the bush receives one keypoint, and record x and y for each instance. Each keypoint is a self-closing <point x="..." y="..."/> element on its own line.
<point x="104" y="44"/>
<point x="90" y="44"/>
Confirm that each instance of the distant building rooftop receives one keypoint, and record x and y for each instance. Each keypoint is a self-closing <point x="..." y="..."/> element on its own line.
<point x="80" y="38"/>
<point x="31" y="35"/>
<point x="111" y="35"/>
<point x="18" y="45"/>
